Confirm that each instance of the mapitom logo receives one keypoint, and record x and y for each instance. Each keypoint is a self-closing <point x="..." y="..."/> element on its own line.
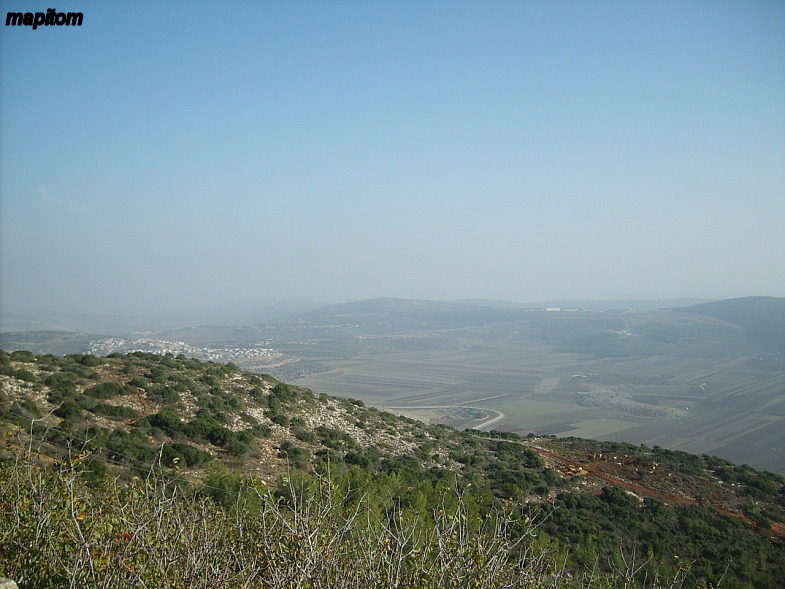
<point x="40" y="19"/>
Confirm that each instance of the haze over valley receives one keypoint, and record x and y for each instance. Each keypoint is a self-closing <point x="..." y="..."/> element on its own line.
<point x="706" y="378"/>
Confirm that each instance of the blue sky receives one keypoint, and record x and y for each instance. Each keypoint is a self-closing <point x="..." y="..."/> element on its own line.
<point x="171" y="155"/>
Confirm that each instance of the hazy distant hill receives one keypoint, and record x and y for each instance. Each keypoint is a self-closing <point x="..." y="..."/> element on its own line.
<point x="237" y="313"/>
<point x="616" y="304"/>
<point x="47" y="342"/>
<point x="762" y="318"/>
<point x="404" y="313"/>
<point x="389" y="315"/>
<point x="733" y="327"/>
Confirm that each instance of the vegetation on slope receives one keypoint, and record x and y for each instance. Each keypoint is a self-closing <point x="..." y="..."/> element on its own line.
<point x="59" y="533"/>
<point x="216" y="440"/>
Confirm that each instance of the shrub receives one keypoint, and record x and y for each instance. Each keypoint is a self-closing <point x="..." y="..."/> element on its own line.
<point x="23" y="412"/>
<point x="118" y="411"/>
<point x="199" y="428"/>
<point x="237" y="447"/>
<point x="220" y="436"/>
<point x="295" y="454"/>
<point x="303" y="434"/>
<point x="263" y="431"/>
<point x="89" y="360"/>
<point x="67" y="409"/>
<point x="257" y="393"/>
<point x="22" y="356"/>
<point x="86" y="403"/>
<point x="163" y="394"/>
<point x="169" y="422"/>
<point x="61" y="386"/>
<point x="105" y="390"/>
<point x="177" y="453"/>
<point x="279" y="419"/>
<point x="284" y="392"/>
<point x="25" y="375"/>
<point x="358" y="459"/>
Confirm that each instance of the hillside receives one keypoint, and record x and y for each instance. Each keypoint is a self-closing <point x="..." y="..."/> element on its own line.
<point x="761" y="318"/>
<point x="212" y="429"/>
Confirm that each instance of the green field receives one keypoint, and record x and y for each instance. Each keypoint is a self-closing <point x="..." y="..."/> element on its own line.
<point x="729" y="407"/>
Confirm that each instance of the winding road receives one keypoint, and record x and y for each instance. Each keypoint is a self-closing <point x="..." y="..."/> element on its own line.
<point x="483" y="426"/>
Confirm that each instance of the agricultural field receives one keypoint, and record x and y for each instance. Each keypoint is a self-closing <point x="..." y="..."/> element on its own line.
<point x="730" y="407"/>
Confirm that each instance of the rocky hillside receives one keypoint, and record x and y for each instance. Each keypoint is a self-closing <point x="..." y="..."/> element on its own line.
<point x="209" y="426"/>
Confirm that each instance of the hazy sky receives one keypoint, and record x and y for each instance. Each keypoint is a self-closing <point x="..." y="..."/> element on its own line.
<point x="185" y="154"/>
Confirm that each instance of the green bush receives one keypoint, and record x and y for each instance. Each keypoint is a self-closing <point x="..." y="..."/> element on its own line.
<point x="130" y="447"/>
<point x="106" y="390"/>
<point x="89" y="360"/>
<point x="199" y="428"/>
<point x="23" y="412"/>
<point x="278" y="418"/>
<point x="261" y="430"/>
<point x="220" y="436"/>
<point x="25" y="375"/>
<point x="118" y="411"/>
<point x="68" y="409"/>
<point x="86" y="403"/>
<point x="294" y="454"/>
<point x="183" y="454"/>
<point x="284" y="392"/>
<point x="163" y="394"/>
<point x="303" y="434"/>
<point x="169" y="422"/>
<point x="61" y="386"/>
<point x="257" y="393"/>
<point x="22" y="356"/>
<point x="237" y="447"/>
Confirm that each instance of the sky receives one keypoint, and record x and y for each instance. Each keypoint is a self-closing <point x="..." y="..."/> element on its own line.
<point x="177" y="155"/>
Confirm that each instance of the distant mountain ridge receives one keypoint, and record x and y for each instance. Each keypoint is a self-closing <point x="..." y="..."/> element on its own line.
<point x="249" y="313"/>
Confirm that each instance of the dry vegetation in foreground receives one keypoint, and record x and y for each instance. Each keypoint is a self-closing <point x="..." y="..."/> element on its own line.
<point x="56" y="532"/>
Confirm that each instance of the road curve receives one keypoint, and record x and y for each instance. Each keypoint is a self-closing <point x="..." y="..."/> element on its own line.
<point x="485" y="426"/>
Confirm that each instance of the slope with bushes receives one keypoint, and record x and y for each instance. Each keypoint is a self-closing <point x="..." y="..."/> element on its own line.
<point x="239" y="453"/>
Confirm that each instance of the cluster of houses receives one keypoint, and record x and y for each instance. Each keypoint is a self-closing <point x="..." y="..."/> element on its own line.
<point x="107" y="346"/>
